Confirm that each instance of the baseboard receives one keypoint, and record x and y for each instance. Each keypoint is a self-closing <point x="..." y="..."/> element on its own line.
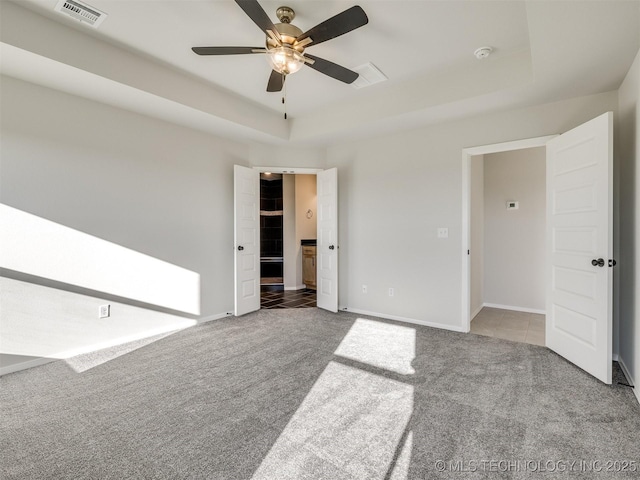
<point x="629" y="378"/>
<point x="473" y="314"/>
<point x="615" y="357"/>
<point x="415" y="321"/>
<point x="515" y="309"/>
<point x="211" y="318"/>
<point x="16" y="367"/>
<point x="299" y="287"/>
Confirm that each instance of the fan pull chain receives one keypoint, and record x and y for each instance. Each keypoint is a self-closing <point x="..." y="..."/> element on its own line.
<point x="284" y="100"/>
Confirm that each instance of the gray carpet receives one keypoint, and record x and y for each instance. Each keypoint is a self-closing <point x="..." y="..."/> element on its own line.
<point x="266" y="396"/>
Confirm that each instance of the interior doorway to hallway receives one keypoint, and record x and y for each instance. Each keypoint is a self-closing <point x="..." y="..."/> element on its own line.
<point x="578" y="243"/>
<point x="473" y="216"/>
<point x="507" y="244"/>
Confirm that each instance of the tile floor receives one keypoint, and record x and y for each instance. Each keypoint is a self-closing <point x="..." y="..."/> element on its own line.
<point x="509" y="325"/>
<point x="305" y="298"/>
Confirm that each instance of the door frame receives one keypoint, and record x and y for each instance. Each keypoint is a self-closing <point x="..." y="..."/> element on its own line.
<point x="467" y="153"/>
<point x="290" y="170"/>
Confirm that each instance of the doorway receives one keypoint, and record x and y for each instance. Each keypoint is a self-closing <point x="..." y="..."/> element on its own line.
<point x="467" y="157"/>
<point x="288" y="231"/>
<point x="578" y="243"/>
<point x="507" y="232"/>
<point x="247" y="256"/>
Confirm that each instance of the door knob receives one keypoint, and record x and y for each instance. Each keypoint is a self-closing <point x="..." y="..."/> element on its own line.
<point x="597" y="263"/>
<point x="240" y="248"/>
<point x="332" y="247"/>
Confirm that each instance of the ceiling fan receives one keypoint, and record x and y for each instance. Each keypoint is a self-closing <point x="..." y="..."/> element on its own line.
<point x="286" y="43"/>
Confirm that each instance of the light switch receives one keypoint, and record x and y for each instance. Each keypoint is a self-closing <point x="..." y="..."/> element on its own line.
<point x="443" y="233"/>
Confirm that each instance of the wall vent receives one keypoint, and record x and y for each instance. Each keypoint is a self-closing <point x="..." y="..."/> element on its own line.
<point x="369" y="74"/>
<point x="81" y="11"/>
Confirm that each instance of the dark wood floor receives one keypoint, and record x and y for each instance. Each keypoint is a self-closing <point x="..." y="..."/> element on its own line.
<point x="305" y="298"/>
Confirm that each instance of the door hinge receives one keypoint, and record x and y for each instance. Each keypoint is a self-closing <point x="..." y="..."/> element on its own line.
<point x="612" y="262"/>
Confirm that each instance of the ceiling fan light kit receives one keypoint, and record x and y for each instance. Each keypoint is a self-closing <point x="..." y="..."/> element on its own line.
<point x="284" y="54"/>
<point x="286" y="43"/>
<point x="285" y="60"/>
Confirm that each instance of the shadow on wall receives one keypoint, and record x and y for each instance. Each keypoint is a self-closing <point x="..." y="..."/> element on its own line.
<point x="38" y="322"/>
<point x="39" y="247"/>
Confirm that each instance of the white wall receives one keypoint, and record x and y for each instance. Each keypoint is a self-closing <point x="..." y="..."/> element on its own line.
<point x="299" y="197"/>
<point x="306" y="199"/>
<point x="514" y="240"/>
<point x="628" y="155"/>
<point x="396" y="190"/>
<point x="38" y="247"/>
<point x="477" y="235"/>
<point x="291" y="243"/>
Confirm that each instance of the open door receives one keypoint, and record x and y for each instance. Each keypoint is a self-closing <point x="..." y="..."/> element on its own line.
<point x="580" y="245"/>
<point x="246" y="208"/>
<point x="327" y="249"/>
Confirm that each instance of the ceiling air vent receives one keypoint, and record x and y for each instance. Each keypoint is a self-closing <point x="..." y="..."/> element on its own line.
<point x="81" y="11"/>
<point x="369" y="74"/>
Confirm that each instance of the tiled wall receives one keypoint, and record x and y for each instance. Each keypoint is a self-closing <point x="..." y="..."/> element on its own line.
<point x="271" y="228"/>
<point x="271" y="236"/>
<point x="271" y="194"/>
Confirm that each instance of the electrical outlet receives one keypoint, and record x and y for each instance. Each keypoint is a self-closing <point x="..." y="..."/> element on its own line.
<point x="391" y="292"/>
<point x="364" y="289"/>
<point x="104" y="311"/>
<point x="443" y="233"/>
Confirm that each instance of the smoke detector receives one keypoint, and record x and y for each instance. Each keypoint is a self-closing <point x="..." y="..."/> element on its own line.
<point x="483" y="52"/>
<point x="81" y="11"/>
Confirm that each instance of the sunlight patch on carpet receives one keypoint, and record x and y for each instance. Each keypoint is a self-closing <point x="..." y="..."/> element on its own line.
<point x="348" y="426"/>
<point x="382" y="345"/>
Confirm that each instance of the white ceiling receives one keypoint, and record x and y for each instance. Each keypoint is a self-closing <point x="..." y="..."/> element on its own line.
<point x="544" y="51"/>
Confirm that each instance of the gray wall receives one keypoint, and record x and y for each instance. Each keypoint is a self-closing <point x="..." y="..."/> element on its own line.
<point x="628" y="155"/>
<point x="514" y="240"/>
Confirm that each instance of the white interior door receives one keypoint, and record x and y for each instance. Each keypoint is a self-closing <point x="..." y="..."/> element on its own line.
<point x="327" y="249"/>
<point x="580" y="245"/>
<point x="246" y="208"/>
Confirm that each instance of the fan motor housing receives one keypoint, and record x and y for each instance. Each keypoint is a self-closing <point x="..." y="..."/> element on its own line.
<point x="288" y="34"/>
